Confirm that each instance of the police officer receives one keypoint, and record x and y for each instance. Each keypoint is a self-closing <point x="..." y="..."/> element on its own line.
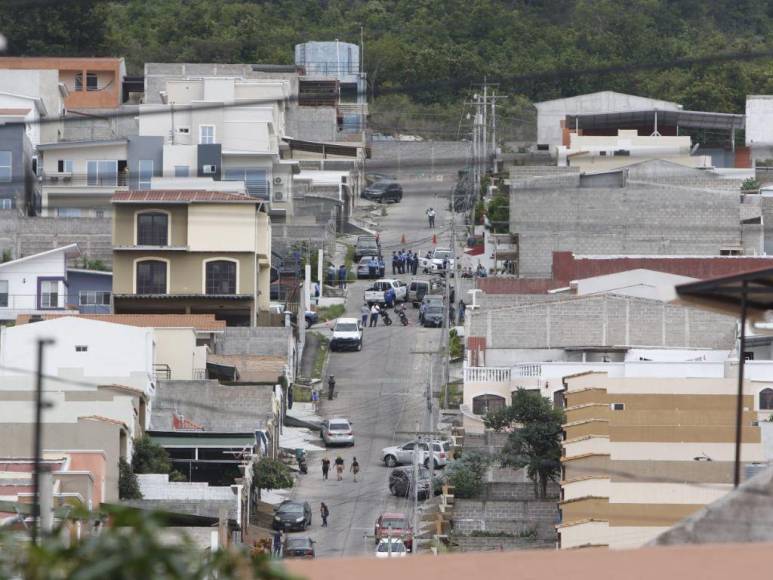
<point x="331" y="387"/>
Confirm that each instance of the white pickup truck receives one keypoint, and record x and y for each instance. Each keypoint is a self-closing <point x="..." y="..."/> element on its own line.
<point x="434" y="264"/>
<point x="375" y="294"/>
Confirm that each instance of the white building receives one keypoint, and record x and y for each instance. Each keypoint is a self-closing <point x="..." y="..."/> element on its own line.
<point x="551" y="114"/>
<point x="35" y="284"/>
<point x="759" y="126"/>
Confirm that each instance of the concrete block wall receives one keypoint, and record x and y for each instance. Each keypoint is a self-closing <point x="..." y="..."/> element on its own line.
<point x="263" y="340"/>
<point x="156" y="486"/>
<point x="419" y="158"/>
<point x="629" y="220"/>
<point x="511" y="516"/>
<point x="25" y="236"/>
<point x="465" y="543"/>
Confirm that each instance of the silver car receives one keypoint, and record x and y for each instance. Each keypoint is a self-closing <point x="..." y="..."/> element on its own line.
<point x="337" y="431"/>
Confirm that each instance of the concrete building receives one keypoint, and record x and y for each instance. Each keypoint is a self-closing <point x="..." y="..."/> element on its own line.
<point x="90" y="83"/>
<point x="551" y="115"/>
<point x="759" y="127"/>
<point x="639" y="455"/>
<point x="19" y="134"/>
<point x="48" y="93"/>
<point x="191" y="252"/>
<point x="91" y="291"/>
<point x="574" y="213"/>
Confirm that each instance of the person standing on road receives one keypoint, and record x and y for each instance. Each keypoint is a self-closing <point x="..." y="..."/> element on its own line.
<point x="325" y="467"/>
<point x="355" y="468"/>
<point x="415" y="263"/>
<point x="389" y="297"/>
<point x="324" y="512"/>
<point x="462" y="308"/>
<point x="372" y="267"/>
<point x="395" y="262"/>
<point x="342" y="276"/>
<point x="374" y="311"/>
<point x="431" y="218"/>
<point x="340" y="468"/>
<point x="381" y="267"/>
<point x="277" y="543"/>
<point x="364" y="312"/>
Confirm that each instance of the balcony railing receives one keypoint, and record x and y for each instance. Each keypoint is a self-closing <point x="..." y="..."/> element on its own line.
<point x="82" y="180"/>
<point x="487" y="374"/>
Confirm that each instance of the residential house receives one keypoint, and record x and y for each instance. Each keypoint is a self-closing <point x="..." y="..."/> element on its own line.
<point x="19" y="134"/>
<point x="91" y="83"/>
<point x="43" y="94"/>
<point x="191" y="252"/>
<point x="90" y="291"/>
<point x="639" y="455"/>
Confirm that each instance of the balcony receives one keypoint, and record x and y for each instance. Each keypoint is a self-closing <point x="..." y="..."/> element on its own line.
<point x="69" y="179"/>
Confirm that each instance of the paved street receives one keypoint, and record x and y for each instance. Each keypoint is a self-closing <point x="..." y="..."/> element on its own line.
<point x="382" y="390"/>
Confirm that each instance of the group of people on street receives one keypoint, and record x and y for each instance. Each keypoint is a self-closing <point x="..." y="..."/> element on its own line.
<point x="375" y="267"/>
<point x="336" y="274"/>
<point x="405" y="262"/>
<point x="354" y="467"/>
<point x="371" y="312"/>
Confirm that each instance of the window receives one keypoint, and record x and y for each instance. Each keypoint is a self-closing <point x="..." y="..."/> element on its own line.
<point x="145" y="173"/>
<point x="6" y="173"/>
<point x="3" y="293"/>
<point x="483" y="404"/>
<point x="92" y="82"/>
<point x="68" y="212"/>
<point x="93" y="298"/>
<point x="100" y="213"/>
<point x="6" y="203"/>
<point x="102" y="172"/>
<point x="618" y="406"/>
<point x="64" y="166"/>
<point x="206" y="134"/>
<point x="151" y="277"/>
<point x="221" y="277"/>
<point x="730" y="252"/>
<point x="184" y="130"/>
<point x="181" y="171"/>
<point x="766" y="395"/>
<point x="152" y="229"/>
<point x="81" y="348"/>
<point x="49" y="294"/>
<point x="256" y="180"/>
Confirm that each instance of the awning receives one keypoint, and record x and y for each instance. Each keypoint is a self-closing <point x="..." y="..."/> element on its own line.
<point x="687" y="119"/>
<point x="726" y="294"/>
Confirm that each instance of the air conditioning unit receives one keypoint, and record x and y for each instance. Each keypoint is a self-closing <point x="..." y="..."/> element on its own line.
<point x="279" y="195"/>
<point x="277" y="180"/>
<point x="209" y="169"/>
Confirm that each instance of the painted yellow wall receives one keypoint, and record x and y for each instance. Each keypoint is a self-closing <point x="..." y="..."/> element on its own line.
<point x="227" y="227"/>
<point x="176" y="347"/>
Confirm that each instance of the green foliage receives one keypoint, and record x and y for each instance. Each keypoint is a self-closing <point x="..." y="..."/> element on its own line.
<point x="331" y="312"/>
<point x="128" y="486"/>
<point x="134" y="545"/>
<point x="750" y="184"/>
<point x="150" y="457"/>
<point x="88" y="264"/>
<point x="499" y="213"/>
<point x="6" y="256"/>
<point x="480" y="211"/>
<point x="466" y="474"/>
<point x="271" y="474"/>
<point x="535" y="442"/>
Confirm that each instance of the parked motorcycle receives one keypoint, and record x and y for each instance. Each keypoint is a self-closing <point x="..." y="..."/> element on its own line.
<point x="403" y="317"/>
<point x="385" y="317"/>
<point x="300" y="456"/>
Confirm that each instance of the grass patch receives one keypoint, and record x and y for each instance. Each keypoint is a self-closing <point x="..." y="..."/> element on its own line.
<point x="320" y="357"/>
<point x="331" y="312"/>
<point x="455" y="395"/>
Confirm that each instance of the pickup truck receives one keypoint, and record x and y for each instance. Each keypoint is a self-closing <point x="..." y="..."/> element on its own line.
<point x="434" y="263"/>
<point x="375" y="294"/>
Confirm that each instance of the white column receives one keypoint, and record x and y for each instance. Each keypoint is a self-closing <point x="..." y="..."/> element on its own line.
<point x="307" y="286"/>
<point x="320" y="269"/>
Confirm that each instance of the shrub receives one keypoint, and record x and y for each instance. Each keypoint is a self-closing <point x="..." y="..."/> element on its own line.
<point x="128" y="486"/>
<point x="466" y="474"/>
<point x="271" y="474"/>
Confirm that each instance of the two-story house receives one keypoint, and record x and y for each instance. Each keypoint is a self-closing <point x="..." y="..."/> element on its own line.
<point x="191" y="252"/>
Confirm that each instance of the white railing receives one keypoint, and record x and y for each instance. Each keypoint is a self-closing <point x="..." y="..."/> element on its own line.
<point x="487" y="374"/>
<point x="527" y="370"/>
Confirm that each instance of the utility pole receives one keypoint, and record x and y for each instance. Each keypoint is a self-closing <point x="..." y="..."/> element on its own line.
<point x="38" y="439"/>
<point x="493" y="132"/>
<point x="485" y="124"/>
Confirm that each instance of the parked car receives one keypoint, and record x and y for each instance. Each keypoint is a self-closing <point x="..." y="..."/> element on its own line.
<point x="363" y="270"/>
<point x="394" y="526"/>
<point x="433" y="316"/>
<point x="347" y="335"/>
<point x="401" y="482"/>
<point x="384" y="192"/>
<point x="337" y="431"/>
<point x="366" y="247"/>
<point x="311" y="318"/>
<point x="375" y="294"/>
<point x="298" y="547"/>
<point x="391" y="549"/>
<point x="403" y="454"/>
<point x="434" y="264"/>
<point x="293" y="516"/>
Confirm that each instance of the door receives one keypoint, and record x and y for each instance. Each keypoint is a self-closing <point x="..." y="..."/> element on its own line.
<point x="405" y="453"/>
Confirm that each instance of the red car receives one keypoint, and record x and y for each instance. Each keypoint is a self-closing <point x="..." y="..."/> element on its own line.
<point x="394" y="525"/>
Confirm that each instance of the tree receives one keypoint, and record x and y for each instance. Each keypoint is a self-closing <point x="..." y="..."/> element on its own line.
<point x="499" y="213"/>
<point x="271" y="474"/>
<point x="128" y="486"/>
<point x="466" y="474"/>
<point x="150" y="457"/>
<point x="535" y="442"/>
<point x="88" y="264"/>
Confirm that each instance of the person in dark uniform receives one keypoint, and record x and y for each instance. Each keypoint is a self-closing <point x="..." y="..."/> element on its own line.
<point x="325" y="466"/>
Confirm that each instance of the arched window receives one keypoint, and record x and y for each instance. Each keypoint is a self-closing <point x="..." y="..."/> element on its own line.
<point x="221" y="277"/>
<point x="153" y="229"/>
<point x="766" y="399"/>
<point x="483" y="404"/>
<point x="151" y="277"/>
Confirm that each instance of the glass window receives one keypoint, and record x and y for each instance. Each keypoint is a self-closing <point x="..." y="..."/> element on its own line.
<point x="151" y="277"/>
<point x="103" y="172"/>
<point x="766" y="399"/>
<point x="483" y="404"/>
<point x="3" y="293"/>
<point x="92" y="83"/>
<point x="256" y="180"/>
<point x="49" y="294"/>
<point x="145" y="173"/>
<point x="6" y="174"/>
<point x="152" y="229"/>
<point x="6" y="203"/>
<point x="221" y="277"/>
<point x="181" y="171"/>
<point x="68" y="212"/>
<point x="93" y="298"/>
<point x="64" y="166"/>
<point x="206" y="134"/>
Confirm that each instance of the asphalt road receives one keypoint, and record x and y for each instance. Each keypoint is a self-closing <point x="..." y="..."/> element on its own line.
<point x="382" y="389"/>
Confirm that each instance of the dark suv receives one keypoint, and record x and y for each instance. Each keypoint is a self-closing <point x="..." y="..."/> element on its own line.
<point x="384" y="192"/>
<point x="366" y="247"/>
<point x="401" y="482"/>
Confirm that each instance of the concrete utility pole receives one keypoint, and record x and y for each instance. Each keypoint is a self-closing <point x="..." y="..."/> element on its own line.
<point x="484" y="149"/>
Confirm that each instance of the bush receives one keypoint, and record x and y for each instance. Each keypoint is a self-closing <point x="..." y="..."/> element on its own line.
<point x="150" y="457"/>
<point x="128" y="486"/>
<point x="455" y="345"/>
<point x="466" y="474"/>
<point x="750" y="184"/>
<point x="271" y="474"/>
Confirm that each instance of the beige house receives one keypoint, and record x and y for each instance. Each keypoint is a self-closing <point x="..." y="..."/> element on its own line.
<point x="642" y="453"/>
<point x="191" y="252"/>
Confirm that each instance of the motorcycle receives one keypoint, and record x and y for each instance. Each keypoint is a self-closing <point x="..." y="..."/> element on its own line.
<point x="403" y="317"/>
<point x="300" y="456"/>
<point x="385" y="317"/>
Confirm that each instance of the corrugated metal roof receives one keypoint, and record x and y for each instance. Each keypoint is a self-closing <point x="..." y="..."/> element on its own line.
<point x="181" y="196"/>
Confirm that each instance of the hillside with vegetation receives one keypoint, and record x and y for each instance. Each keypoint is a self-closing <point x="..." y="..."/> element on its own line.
<point x="421" y="54"/>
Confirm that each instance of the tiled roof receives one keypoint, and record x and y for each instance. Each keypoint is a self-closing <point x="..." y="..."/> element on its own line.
<point x="102" y="419"/>
<point x="14" y="111"/>
<point x="181" y="196"/>
<point x="201" y="322"/>
<point x="252" y="368"/>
